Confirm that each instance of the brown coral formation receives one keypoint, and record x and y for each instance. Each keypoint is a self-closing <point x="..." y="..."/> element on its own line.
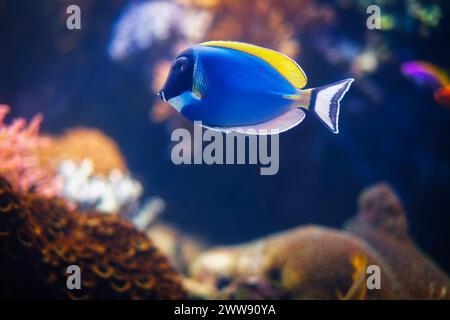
<point x="318" y="263"/>
<point x="78" y="144"/>
<point x="304" y="263"/>
<point x="381" y="222"/>
<point x="40" y="238"/>
<point x="180" y="248"/>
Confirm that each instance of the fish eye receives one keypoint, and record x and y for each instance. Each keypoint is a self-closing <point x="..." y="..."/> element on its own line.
<point x="181" y="64"/>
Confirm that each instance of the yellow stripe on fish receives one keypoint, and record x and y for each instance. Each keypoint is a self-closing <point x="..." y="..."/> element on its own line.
<point x="287" y="67"/>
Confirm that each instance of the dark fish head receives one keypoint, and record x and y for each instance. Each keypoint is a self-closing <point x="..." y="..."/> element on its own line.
<point x="180" y="76"/>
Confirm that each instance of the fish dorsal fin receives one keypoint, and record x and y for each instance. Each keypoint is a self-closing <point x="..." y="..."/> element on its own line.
<point x="287" y="67"/>
<point x="277" y="125"/>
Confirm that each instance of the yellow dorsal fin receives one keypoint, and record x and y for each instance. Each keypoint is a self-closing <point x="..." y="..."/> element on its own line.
<point x="287" y="67"/>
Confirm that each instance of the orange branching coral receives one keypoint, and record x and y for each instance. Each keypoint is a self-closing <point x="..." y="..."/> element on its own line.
<point x="84" y="143"/>
<point x="40" y="238"/>
<point x="19" y="144"/>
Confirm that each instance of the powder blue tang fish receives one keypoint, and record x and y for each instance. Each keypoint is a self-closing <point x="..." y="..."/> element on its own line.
<point x="235" y="86"/>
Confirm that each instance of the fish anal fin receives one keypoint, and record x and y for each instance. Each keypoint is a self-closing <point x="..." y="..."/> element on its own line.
<point x="277" y="125"/>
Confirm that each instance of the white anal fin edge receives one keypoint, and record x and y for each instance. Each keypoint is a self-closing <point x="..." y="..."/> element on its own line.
<point x="280" y="124"/>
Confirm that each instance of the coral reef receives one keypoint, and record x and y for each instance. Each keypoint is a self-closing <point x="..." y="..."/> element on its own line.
<point x="84" y="166"/>
<point x="319" y="263"/>
<point x="181" y="249"/>
<point x="93" y="171"/>
<point x="114" y="193"/>
<point x="382" y="223"/>
<point x="78" y="144"/>
<point x="19" y="163"/>
<point x="304" y="263"/>
<point x="41" y="234"/>
<point x="40" y="238"/>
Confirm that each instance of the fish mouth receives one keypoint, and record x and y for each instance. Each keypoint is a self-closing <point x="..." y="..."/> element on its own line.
<point x="162" y="96"/>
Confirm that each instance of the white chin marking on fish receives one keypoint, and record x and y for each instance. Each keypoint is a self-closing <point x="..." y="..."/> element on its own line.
<point x="182" y="100"/>
<point x="176" y="102"/>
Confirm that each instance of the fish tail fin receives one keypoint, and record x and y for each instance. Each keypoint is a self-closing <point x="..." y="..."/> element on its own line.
<point x="324" y="102"/>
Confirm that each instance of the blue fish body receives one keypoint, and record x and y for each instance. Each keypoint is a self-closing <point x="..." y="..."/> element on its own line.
<point x="234" y="86"/>
<point x="239" y="89"/>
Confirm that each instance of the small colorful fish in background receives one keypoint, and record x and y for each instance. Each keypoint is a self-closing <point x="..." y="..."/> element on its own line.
<point x="235" y="86"/>
<point x="428" y="75"/>
<point x="442" y="96"/>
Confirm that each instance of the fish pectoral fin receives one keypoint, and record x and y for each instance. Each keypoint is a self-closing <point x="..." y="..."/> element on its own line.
<point x="200" y="81"/>
<point x="277" y="125"/>
<point x="287" y="67"/>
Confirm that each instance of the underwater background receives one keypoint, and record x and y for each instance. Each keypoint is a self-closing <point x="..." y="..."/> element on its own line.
<point x="106" y="76"/>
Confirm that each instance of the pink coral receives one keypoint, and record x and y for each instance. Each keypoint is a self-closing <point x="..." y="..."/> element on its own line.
<point x="19" y="162"/>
